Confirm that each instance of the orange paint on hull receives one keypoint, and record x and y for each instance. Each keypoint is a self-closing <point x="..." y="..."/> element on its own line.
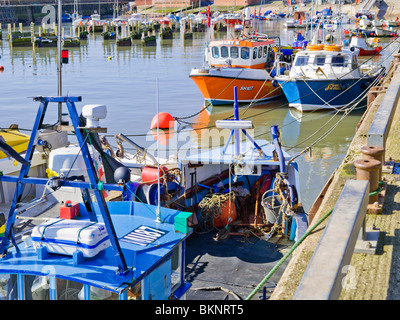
<point x="220" y="89"/>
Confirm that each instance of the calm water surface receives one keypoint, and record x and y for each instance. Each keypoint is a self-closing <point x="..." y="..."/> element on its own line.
<point x="125" y="80"/>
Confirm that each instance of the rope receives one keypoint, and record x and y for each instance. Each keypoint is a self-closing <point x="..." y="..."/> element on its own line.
<point x="210" y="207"/>
<point x="297" y="243"/>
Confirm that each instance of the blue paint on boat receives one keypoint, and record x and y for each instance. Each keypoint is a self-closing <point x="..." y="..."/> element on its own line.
<point x="337" y="93"/>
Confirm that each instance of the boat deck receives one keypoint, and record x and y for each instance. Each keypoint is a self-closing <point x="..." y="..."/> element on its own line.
<point x="230" y="269"/>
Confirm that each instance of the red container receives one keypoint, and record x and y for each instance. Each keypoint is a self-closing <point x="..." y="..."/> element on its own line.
<point x="69" y="210"/>
<point x="150" y="175"/>
<point x="226" y="216"/>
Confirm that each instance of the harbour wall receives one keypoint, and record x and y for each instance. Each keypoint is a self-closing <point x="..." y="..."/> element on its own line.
<point x="372" y="276"/>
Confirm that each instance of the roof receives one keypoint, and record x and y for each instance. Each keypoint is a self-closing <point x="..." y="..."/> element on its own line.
<point x="250" y="154"/>
<point x="100" y="271"/>
<point x="242" y="43"/>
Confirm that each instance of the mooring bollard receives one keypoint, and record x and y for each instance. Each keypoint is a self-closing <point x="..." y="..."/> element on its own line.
<point x="374" y="153"/>
<point x="396" y="57"/>
<point x="368" y="169"/>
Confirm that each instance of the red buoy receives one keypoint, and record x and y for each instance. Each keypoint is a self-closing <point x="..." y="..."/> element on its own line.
<point x="164" y="134"/>
<point x="162" y="120"/>
<point x="1" y="68"/>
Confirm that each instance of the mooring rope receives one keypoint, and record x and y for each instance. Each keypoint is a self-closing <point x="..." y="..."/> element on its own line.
<point x="296" y="244"/>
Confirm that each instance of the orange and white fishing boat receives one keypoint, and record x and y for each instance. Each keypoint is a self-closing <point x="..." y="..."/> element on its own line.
<point x="240" y="62"/>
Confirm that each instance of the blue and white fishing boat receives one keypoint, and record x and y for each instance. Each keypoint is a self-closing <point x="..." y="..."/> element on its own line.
<point x="94" y="249"/>
<point x="327" y="77"/>
<point x="227" y="183"/>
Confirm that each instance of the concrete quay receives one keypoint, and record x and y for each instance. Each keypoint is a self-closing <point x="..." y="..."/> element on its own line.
<point x="367" y="276"/>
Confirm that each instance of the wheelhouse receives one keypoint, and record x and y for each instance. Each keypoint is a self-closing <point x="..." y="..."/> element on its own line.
<point x="325" y="63"/>
<point x="239" y="53"/>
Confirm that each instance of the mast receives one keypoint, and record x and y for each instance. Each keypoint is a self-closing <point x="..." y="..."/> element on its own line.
<point x="59" y="45"/>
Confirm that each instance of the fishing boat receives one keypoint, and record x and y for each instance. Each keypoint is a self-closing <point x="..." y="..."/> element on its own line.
<point x="239" y="184"/>
<point x="14" y="138"/>
<point x="232" y="18"/>
<point x="91" y="250"/>
<point x="95" y="23"/>
<point x="375" y="32"/>
<point x="327" y="77"/>
<point x="391" y="23"/>
<point x="269" y="15"/>
<point x="365" y="49"/>
<point x="241" y="62"/>
<point x="135" y="17"/>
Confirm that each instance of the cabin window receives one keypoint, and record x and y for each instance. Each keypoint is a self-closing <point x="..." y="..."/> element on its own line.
<point x="176" y="268"/>
<point x="260" y="52"/>
<point x="255" y="53"/>
<point x="224" y="52"/>
<point x="265" y="51"/>
<point x="354" y="63"/>
<point x="234" y="52"/>
<point x="301" y="61"/>
<point x="338" y="61"/>
<point x="245" y="53"/>
<point x="215" y="52"/>
<point x="319" y="60"/>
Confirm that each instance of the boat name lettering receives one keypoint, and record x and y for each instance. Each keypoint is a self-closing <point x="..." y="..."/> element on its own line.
<point x="229" y="42"/>
<point x="246" y="88"/>
<point x="333" y="86"/>
<point x="144" y="235"/>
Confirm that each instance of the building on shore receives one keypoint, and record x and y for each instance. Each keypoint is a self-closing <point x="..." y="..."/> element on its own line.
<point x="195" y="3"/>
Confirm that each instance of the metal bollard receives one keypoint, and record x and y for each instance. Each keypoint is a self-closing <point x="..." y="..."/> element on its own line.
<point x="368" y="169"/>
<point x="374" y="153"/>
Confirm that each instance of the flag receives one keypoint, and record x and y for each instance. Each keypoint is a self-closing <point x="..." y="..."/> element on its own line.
<point x="208" y="16"/>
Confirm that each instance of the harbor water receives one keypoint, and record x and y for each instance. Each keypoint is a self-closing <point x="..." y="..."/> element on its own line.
<point x="135" y="82"/>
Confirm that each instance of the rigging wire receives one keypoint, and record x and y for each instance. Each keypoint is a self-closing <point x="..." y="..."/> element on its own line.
<point x="262" y="112"/>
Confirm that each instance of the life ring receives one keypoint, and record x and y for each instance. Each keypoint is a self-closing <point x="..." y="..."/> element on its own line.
<point x="315" y="47"/>
<point x="332" y="47"/>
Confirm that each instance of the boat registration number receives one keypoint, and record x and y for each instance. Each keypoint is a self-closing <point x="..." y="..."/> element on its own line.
<point x="143" y="235"/>
<point x="246" y="88"/>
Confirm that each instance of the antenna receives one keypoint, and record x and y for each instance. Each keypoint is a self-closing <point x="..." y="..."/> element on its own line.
<point x="158" y="154"/>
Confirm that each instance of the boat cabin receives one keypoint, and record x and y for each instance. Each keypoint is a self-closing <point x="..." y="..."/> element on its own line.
<point x="154" y="251"/>
<point x="325" y="62"/>
<point x="239" y="53"/>
<point x="97" y="249"/>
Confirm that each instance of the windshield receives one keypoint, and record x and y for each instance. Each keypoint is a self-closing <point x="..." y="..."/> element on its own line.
<point x="301" y="61"/>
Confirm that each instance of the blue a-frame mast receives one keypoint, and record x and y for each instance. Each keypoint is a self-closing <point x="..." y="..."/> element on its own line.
<point x="23" y="178"/>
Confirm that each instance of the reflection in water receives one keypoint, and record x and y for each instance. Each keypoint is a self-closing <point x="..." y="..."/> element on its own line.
<point x="124" y="79"/>
<point x="298" y="131"/>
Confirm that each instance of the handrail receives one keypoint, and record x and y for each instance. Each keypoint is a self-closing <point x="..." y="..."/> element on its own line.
<point x="323" y="277"/>
<point x="380" y="126"/>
